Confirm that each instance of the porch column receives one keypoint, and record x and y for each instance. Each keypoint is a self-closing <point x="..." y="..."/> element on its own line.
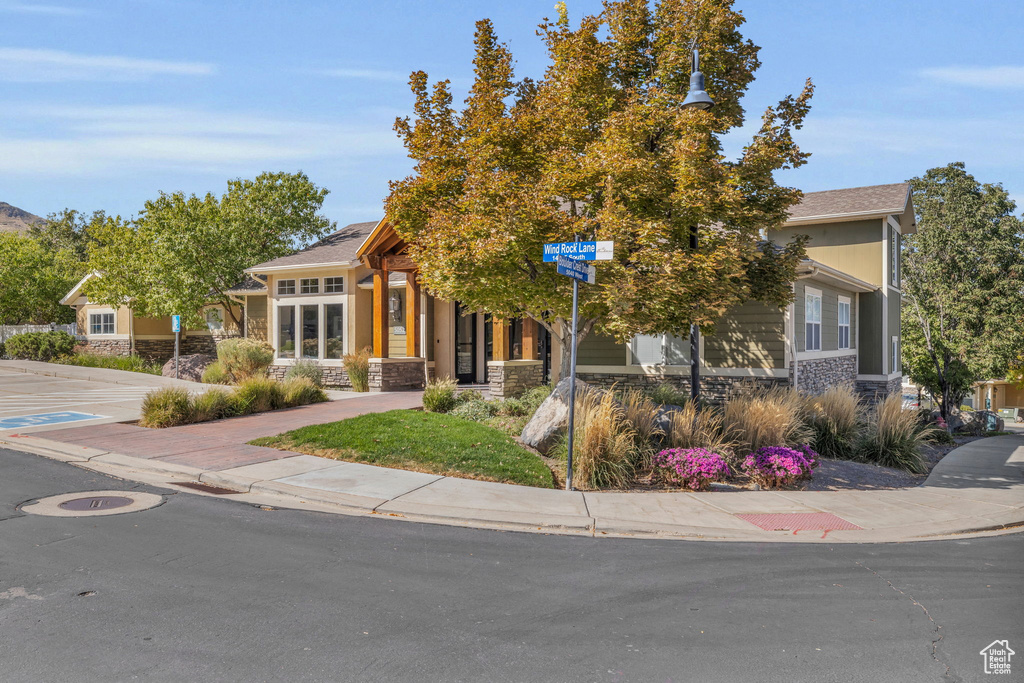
<point x="529" y="339"/>
<point x="412" y="316"/>
<point x="380" y="313"/>
<point x="499" y="331"/>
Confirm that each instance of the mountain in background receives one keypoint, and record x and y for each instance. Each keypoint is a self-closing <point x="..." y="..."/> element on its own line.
<point x="13" y="219"/>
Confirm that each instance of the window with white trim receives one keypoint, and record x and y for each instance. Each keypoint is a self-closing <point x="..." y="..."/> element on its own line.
<point x="309" y="285"/>
<point x="660" y="349"/>
<point x="214" y="320"/>
<point x="101" y="323"/>
<point x="894" y="257"/>
<point x="313" y="331"/>
<point x="894" y="363"/>
<point x="334" y="285"/>
<point x="812" y="320"/>
<point x="286" y="286"/>
<point x="844" y="322"/>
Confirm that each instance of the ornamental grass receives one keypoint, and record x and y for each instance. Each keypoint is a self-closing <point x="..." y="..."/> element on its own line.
<point x="893" y="437"/>
<point x="357" y="367"/>
<point x="835" y="416"/>
<point x="755" y="418"/>
<point x="166" y="407"/>
<point x="696" y="427"/>
<point x="642" y="414"/>
<point x="603" y="443"/>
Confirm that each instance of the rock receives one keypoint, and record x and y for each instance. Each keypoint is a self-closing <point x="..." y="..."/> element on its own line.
<point x="664" y="418"/>
<point x="550" y="421"/>
<point x="190" y="367"/>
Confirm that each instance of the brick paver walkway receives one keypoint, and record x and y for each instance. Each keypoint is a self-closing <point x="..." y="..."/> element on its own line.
<point x="222" y="444"/>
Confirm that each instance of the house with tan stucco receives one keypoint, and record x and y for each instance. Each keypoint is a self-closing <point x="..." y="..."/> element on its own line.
<point x="358" y="288"/>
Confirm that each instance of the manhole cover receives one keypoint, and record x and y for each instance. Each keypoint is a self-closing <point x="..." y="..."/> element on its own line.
<point x="95" y="503"/>
<point x="92" y="503"/>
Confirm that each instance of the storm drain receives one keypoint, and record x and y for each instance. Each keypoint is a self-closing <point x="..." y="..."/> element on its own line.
<point x="206" y="488"/>
<point x="92" y="503"/>
<point x="800" y="521"/>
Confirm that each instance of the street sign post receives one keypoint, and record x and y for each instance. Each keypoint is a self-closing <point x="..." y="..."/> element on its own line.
<point x="176" y="328"/>
<point x="571" y="258"/>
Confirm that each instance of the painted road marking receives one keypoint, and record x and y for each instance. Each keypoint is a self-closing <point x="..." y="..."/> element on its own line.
<point x="23" y="421"/>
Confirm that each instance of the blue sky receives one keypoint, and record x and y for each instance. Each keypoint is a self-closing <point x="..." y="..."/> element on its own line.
<point x="103" y="104"/>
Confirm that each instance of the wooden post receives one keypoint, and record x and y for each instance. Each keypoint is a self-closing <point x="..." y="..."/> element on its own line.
<point x="380" y="314"/>
<point x="412" y="316"/>
<point x="529" y="339"/>
<point x="499" y="339"/>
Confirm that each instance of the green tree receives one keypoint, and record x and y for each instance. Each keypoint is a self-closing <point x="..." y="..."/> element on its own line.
<point x="183" y="252"/>
<point x="33" y="280"/>
<point x="67" y="230"/>
<point x="601" y="148"/>
<point x="963" y="279"/>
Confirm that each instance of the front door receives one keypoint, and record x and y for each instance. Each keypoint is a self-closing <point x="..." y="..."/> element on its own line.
<point x="465" y="346"/>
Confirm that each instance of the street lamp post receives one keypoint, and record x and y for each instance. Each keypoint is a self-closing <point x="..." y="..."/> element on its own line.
<point x="696" y="98"/>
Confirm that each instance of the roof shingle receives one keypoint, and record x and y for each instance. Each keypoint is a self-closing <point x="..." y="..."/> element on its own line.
<point x="880" y="199"/>
<point x="338" y="247"/>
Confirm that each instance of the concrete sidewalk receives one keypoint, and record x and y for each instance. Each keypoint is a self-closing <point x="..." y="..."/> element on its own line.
<point x="976" y="489"/>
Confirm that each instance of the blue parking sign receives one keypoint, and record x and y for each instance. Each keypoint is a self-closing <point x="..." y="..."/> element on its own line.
<point x="175" y="323"/>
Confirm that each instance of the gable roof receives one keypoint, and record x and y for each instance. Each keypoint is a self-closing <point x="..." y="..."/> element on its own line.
<point x="76" y="291"/>
<point x="252" y="284"/>
<point x="853" y="203"/>
<point x="337" y="248"/>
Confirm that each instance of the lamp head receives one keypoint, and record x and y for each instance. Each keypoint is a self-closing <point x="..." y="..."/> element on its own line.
<point x="697" y="98"/>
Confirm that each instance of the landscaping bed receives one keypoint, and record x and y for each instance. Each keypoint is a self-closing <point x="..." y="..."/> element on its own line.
<point x="422" y="442"/>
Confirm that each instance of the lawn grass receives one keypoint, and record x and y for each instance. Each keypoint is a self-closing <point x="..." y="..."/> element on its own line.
<point x="420" y="441"/>
<point x="95" y="360"/>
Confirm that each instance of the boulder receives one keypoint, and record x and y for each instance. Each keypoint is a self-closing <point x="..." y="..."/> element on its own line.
<point x="551" y="420"/>
<point x="190" y="367"/>
<point x="664" y="417"/>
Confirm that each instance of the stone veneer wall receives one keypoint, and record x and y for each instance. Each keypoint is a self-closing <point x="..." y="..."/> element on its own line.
<point x="512" y="378"/>
<point x="873" y="391"/>
<point x="334" y="377"/>
<point x="815" y="376"/>
<point x="396" y="374"/>
<point x="713" y="388"/>
<point x="109" y="347"/>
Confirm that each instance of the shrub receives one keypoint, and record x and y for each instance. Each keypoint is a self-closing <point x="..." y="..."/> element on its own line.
<point x="834" y="417"/>
<point x="301" y="391"/>
<point x="242" y="358"/>
<point x="477" y="411"/>
<point x="512" y="407"/>
<point x="468" y="395"/>
<point x="214" y="374"/>
<point x="257" y="395"/>
<point x="213" y="404"/>
<point x="534" y="397"/>
<point x="772" y="466"/>
<point x="893" y="437"/>
<point x="95" y="360"/>
<point x="666" y="394"/>
<point x="357" y="367"/>
<point x="642" y="415"/>
<point x="42" y="346"/>
<point x="602" y="443"/>
<point x="694" y="468"/>
<point x="307" y="368"/>
<point x="166" y="407"/>
<point x="3" y="350"/>
<point x="694" y="427"/>
<point x="440" y="396"/>
<point x="757" y="417"/>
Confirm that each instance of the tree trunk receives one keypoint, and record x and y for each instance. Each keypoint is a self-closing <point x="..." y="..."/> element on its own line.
<point x="562" y="331"/>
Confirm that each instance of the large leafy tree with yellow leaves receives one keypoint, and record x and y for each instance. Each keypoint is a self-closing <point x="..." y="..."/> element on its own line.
<point x="600" y="148"/>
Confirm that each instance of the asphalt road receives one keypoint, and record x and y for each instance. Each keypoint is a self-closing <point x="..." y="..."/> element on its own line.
<point x="205" y="588"/>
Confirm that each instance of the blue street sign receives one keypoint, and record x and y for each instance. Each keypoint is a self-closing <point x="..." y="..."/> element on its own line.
<point x="175" y="323"/>
<point x="581" y="251"/>
<point x="577" y="269"/>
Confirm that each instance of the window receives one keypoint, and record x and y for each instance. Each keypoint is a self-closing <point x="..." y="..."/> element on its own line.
<point x="286" y="286"/>
<point x="101" y="323"/>
<point x="334" y="285"/>
<point x="894" y="257"/>
<point x="310" y="331"/>
<point x="812" y="320"/>
<point x="214" y="320"/>
<point x="844" y="323"/>
<point x="660" y="349"/>
<point x="895" y="365"/>
<point x="334" y="324"/>
<point x="309" y="285"/>
<point x="286" y="331"/>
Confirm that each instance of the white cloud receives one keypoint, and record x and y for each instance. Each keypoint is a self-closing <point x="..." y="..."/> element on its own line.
<point x="379" y="75"/>
<point x="29" y="65"/>
<point x="981" y="77"/>
<point x="32" y="8"/>
<point x="115" y="139"/>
